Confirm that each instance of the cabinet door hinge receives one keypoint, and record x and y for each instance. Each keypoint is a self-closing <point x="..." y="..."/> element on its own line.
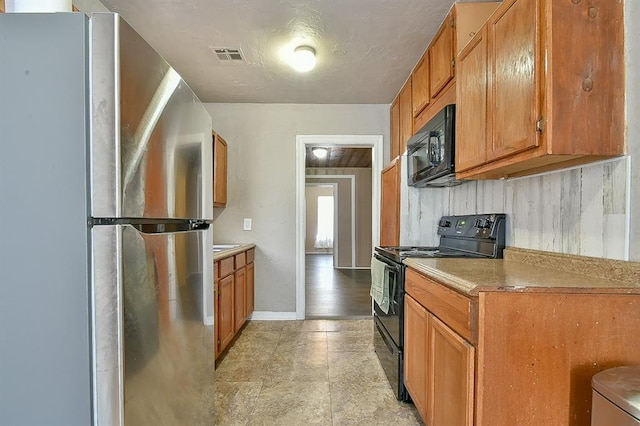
<point x="453" y="63"/>
<point x="540" y="125"/>
<point x="453" y="23"/>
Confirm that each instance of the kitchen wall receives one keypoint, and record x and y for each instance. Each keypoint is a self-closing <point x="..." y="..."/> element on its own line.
<point x="262" y="181"/>
<point x="589" y="211"/>
<point x="90" y="6"/>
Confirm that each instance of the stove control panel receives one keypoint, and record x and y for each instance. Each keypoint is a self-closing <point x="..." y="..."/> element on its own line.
<point x="483" y="226"/>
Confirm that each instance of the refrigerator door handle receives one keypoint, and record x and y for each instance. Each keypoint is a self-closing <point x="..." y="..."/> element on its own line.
<point x="155" y="226"/>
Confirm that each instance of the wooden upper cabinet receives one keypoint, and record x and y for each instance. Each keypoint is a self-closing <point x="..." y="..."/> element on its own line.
<point x="406" y="116"/>
<point x="555" y="87"/>
<point x="219" y="171"/>
<point x="515" y="93"/>
<point x="434" y="76"/>
<point x="420" y="85"/>
<point x="395" y="128"/>
<point x="2" y="9"/>
<point x="390" y="205"/>
<point x="471" y="111"/>
<point x="442" y="56"/>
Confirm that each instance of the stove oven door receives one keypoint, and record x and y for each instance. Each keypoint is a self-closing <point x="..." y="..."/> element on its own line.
<point x="392" y="320"/>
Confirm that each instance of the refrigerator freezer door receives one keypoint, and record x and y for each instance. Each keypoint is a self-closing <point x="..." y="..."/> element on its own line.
<point x="154" y="354"/>
<point x="151" y="136"/>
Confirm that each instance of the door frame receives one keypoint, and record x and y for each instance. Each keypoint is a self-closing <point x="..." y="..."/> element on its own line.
<point x="375" y="142"/>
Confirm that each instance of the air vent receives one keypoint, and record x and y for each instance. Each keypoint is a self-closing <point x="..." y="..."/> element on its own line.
<point x="229" y="55"/>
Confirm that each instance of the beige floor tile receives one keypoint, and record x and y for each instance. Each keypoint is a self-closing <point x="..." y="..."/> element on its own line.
<point x="349" y="341"/>
<point x="313" y="341"/>
<point x="299" y="366"/>
<point x="260" y="325"/>
<point x="293" y="403"/>
<point x="355" y="367"/>
<point x="241" y="371"/>
<point x="373" y="404"/>
<point x="235" y="402"/>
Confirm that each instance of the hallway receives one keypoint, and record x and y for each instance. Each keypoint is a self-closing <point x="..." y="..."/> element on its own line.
<point x="335" y="293"/>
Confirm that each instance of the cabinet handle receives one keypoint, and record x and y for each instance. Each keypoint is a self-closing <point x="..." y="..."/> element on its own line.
<point x="540" y="125"/>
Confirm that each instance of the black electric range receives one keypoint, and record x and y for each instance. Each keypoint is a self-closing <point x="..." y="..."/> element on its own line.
<point x="470" y="236"/>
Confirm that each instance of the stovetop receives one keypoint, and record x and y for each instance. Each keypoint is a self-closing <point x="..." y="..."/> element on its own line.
<point x="474" y="236"/>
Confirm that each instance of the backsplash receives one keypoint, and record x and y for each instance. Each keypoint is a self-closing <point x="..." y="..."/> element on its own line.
<point x="579" y="211"/>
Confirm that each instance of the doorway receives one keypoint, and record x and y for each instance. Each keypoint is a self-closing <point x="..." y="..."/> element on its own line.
<point x="336" y="284"/>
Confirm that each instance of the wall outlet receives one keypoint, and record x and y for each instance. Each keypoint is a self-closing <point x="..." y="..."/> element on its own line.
<point x="247" y="224"/>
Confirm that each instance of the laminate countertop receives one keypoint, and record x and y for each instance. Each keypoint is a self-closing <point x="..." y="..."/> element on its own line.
<point x="232" y="250"/>
<point x="530" y="270"/>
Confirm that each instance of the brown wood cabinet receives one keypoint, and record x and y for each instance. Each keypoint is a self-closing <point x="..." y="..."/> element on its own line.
<point x="406" y="116"/>
<point x="462" y="22"/>
<point x="240" y="290"/>
<point x="250" y="277"/>
<point x="224" y="312"/>
<point x="451" y="372"/>
<point x="416" y="352"/>
<point x="498" y="357"/>
<point x="439" y="362"/>
<point x="471" y="108"/>
<point x="442" y="56"/>
<point x="390" y="205"/>
<point x="395" y="128"/>
<point x="420" y="93"/>
<point x="219" y="171"/>
<point x="555" y="88"/>
<point x="233" y="296"/>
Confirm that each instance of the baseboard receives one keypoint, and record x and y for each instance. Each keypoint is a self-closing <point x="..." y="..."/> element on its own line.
<point x="273" y="316"/>
<point x="208" y="320"/>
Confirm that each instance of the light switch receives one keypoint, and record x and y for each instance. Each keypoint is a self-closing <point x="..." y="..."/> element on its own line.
<point x="247" y="224"/>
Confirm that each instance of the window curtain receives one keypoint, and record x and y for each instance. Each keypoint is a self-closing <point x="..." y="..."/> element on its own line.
<point x="324" y="236"/>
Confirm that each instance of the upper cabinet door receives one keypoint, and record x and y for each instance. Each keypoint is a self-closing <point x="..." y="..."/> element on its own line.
<point x="406" y="116"/>
<point x="471" y="109"/>
<point x="395" y="129"/>
<point x="514" y="98"/>
<point x="420" y="85"/>
<point x="219" y="171"/>
<point x="442" y="56"/>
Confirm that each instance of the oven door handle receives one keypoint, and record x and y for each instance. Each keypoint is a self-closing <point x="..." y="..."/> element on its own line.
<point x="388" y="264"/>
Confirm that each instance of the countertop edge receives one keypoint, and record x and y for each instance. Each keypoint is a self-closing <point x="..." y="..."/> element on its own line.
<point x="223" y="254"/>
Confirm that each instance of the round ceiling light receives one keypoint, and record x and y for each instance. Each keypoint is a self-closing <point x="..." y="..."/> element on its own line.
<point x="320" y="152"/>
<point x="304" y="58"/>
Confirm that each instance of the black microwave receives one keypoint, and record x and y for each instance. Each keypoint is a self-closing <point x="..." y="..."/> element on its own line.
<point x="431" y="152"/>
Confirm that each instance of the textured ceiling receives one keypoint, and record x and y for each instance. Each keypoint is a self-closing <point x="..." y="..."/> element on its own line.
<point x="365" y="48"/>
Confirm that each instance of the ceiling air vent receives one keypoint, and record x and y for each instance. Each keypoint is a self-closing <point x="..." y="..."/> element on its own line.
<point x="229" y="55"/>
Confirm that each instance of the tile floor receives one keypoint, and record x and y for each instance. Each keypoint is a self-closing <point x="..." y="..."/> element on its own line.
<point x="313" y="372"/>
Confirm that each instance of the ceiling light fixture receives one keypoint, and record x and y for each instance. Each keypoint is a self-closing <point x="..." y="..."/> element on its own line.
<point x="319" y="152"/>
<point x="303" y="58"/>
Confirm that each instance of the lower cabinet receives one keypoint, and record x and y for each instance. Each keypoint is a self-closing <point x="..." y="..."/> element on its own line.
<point x="416" y="337"/>
<point x="233" y="296"/>
<point x="502" y="357"/>
<point x="450" y="373"/>
<point x="224" y="311"/>
<point x="439" y="368"/>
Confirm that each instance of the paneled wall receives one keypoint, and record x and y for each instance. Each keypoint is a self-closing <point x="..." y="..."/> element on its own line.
<point x="580" y="211"/>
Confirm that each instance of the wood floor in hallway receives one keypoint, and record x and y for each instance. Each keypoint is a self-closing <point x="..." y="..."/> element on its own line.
<point x="335" y="293"/>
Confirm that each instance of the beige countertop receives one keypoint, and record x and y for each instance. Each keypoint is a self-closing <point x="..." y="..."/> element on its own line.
<point x="238" y="248"/>
<point x="529" y="270"/>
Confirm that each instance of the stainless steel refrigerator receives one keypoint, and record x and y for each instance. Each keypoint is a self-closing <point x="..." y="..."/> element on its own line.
<point x="106" y="308"/>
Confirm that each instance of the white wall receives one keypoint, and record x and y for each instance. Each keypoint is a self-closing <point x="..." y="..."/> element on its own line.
<point x="589" y="211"/>
<point x="262" y="181"/>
